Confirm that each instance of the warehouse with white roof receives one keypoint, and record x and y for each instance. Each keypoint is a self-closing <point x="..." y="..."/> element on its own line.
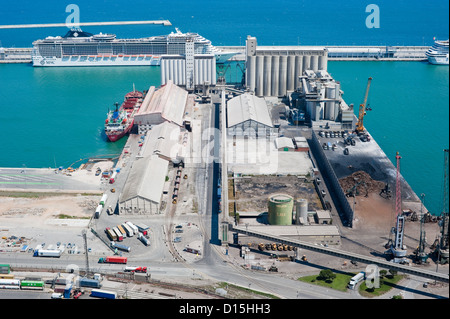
<point x="143" y="190"/>
<point x="248" y="115"/>
<point x="167" y="104"/>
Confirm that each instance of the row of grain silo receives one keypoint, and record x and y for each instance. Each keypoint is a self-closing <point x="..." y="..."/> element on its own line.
<point x="275" y="75"/>
<point x="174" y="67"/>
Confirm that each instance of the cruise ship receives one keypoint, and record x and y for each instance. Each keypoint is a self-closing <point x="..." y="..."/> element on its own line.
<point x="438" y="53"/>
<point x="80" y="48"/>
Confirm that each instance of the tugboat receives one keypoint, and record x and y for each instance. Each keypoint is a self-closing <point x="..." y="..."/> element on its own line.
<point x="120" y="121"/>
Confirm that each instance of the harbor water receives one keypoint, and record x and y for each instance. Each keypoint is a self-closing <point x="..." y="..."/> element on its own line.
<point x="54" y="117"/>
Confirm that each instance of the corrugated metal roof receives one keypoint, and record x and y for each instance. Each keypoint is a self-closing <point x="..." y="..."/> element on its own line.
<point x="169" y="101"/>
<point x="162" y="139"/>
<point x="146" y="179"/>
<point x="248" y="107"/>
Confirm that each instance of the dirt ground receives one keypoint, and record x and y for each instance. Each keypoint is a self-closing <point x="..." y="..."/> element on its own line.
<point x="252" y="192"/>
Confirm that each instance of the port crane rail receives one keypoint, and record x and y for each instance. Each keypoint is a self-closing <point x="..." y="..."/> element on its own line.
<point x="344" y="254"/>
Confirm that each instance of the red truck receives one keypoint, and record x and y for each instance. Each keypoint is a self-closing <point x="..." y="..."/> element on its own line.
<point x="136" y="269"/>
<point x="113" y="260"/>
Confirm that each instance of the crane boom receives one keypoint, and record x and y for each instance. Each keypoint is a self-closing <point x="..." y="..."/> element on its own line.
<point x="362" y="109"/>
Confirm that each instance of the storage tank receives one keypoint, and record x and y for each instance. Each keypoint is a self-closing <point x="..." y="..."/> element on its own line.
<point x="301" y="211"/>
<point x="275" y="74"/>
<point x="280" y="209"/>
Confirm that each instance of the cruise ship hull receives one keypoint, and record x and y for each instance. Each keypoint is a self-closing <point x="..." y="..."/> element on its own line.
<point x="442" y="60"/>
<point x="39" y="61"/>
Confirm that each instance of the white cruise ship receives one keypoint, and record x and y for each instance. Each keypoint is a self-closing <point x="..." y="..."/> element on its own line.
<point x="79" y="48"/>
<point x="438" y="53"/>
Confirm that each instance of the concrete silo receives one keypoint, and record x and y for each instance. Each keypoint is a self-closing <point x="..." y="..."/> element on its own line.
<point x="259" y="75"/>
<point x="267" y="75"/>
<point x="283" y="76"/>
<point x="301" y="211"/>
<point x="280" y="209"/>
<point x="275" y="74"/>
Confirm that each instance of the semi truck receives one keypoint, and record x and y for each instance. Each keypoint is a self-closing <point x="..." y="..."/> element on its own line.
<point x="98" y="211"/>
<point x="356" y="279"/>
<point x="113" y="178"/>
<point x="143" y="228"/>
<point x="120" y="247"/>
<point x="47" y="253"/>
<point x="103" y="294"/>
<point x="135" y="269"/>
<point x="103" y="199"/>
<point x="113" y="260"/>
<point x="143" y="239"/>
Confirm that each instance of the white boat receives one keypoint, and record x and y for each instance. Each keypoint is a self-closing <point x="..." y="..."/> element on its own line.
<point x="79" y="48"/>
<point x="438" y="53"/>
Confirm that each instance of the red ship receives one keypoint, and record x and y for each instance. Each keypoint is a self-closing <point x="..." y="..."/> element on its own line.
<point x="120" y="121"/>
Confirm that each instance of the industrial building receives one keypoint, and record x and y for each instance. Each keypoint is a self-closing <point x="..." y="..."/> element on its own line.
<point x="320" y="97"/>
<point x="163" y="140"/>
<point x="144" y="187"/>
<point x="166" y="104"/>
<point x="274" y="70"/>
<point x="188" y="72"/>
<point x="248" y="115"/>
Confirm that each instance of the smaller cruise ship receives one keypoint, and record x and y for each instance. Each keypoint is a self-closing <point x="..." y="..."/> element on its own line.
<point x="438" y="53"/>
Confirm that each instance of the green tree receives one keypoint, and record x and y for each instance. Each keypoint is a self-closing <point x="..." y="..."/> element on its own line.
<point x="327" y="275"/>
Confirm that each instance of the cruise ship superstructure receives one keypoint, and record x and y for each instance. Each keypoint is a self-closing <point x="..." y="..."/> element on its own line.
<point x="438" y="53"/>
<point x="79" y="48"/>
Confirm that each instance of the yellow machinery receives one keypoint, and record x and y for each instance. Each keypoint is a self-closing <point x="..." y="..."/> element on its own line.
<point x="362" y="109"/>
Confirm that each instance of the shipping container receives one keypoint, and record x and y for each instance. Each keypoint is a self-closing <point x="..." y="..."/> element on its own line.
<point x="111" y="234"/>
<point x="133" y="227"/>
<point x="124" y="233"/>
<point x="5" y="269"/>
<point x="118" y="234"/>
<point x="91" y="283"/>
<point x="128" y="230"/>
<point x="103" y="294"/>
<point x="32" y="284"/>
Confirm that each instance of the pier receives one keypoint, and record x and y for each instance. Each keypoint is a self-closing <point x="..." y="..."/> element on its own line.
<point x="355" y="53"/>
<point x="83" y="24"/>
